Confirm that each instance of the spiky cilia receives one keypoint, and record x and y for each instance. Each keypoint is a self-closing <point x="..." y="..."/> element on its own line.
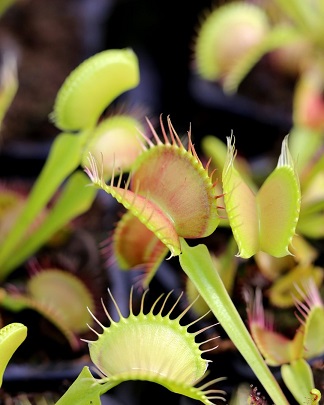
<point x="169" y="190"/>
<point x="154" y="347"/>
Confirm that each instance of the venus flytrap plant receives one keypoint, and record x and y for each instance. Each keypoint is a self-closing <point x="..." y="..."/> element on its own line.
<point x="170" y="196"/>
<point x="81" y="101"/>
<point x="152" y="346"/>
<point x="284" y="271"/>
<point x="78" y="106"/>
<point x="308" y="162"/>
<point x="174" y="210"/>
<point x="290" y="25"/>
<point x="291" y="28"/>
<point x="265" y="221"/>
<point x="165" y="209"/>
<point x="246" y="221"/>
<point x="275" y="347"/>
<point x="216" y="150"/>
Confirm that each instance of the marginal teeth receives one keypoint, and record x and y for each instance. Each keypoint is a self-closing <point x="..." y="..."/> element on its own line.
<point x="152" y="346"/>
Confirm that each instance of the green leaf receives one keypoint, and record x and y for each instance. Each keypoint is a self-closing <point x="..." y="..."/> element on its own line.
<point x="312" y="226"/>
<point x="11" y="337"/>
<point x="85" y="390"/>
<point x="75" y="199"/>
<point x="279" y="204"/>
<point x="78" y="104"/>
<point x="92" y="86"/>
<point x="197" y="264"/>
<point x="298" y="378"/>
<point x="64" y="157"/>
<point x="265" y="221"/>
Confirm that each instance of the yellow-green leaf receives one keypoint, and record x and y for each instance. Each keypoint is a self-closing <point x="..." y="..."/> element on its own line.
<point x="92" y="86"/>
<point x="11" y="337"/>
<point x="265" y="221"/>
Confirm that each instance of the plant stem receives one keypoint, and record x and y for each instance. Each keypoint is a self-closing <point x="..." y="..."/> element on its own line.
<point x="63" y="159"/>
<point x="197" y="264"/>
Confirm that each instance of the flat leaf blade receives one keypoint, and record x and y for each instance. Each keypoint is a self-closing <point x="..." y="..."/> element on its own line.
<point x="11" y="337"/>
<point x="197" y="264"/>
<point x="85" y="390"/>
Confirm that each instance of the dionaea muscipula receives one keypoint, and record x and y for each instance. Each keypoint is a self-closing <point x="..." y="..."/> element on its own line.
<point x="169" y="195"/>
<point x="154" y="346"/>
